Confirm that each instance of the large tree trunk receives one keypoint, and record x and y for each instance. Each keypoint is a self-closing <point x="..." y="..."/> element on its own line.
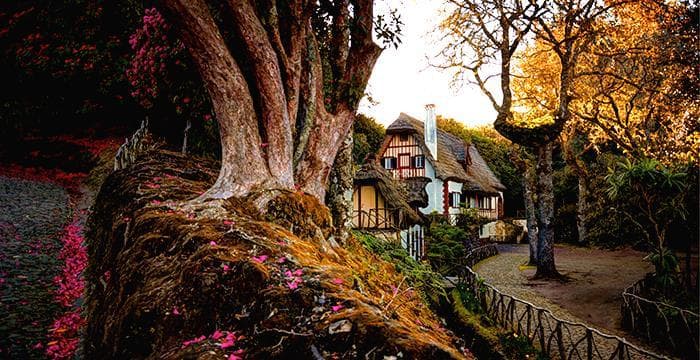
<point x="530" y="215"/>
<point x="273" y="79"/>
<point x="545" y="213"/>
<point x="340" y="186"/>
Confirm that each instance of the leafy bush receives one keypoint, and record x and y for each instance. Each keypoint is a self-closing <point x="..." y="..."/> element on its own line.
<point x="446" y="248"/>
<point x="368" y="136"/>
<point x="657" y="193"/>
<point x="418" y="274"/>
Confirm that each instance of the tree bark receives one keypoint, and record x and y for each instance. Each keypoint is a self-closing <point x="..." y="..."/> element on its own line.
<point x="530" y="215"/>
<point x="583" y="208"/>
<point x="340" y="186"/>
<point x="231" y="101"/>
<point x="282" y="118"/>
<point x="545" y="213"/>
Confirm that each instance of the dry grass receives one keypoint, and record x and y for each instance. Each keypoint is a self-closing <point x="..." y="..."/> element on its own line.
<point x="153" y="254"/>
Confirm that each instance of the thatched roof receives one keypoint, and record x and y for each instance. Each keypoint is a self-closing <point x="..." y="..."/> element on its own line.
<point x="453" y="154"/>
<point x="394" y="192"/>
<point x="449" y="165"/>
<point x="480" y="177"/>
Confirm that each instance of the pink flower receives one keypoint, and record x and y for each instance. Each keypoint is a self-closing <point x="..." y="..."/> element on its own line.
<point x="260" y="259"/>
<point x="228" y="222"/>
<point x="217" y="335"/>
<point x="212" y="243"/>
<point x="155" y="202"/>
<point x="175" y="311"/>
<point x="292" y="284"/>
<point x="193" y="341"/>
<point x="298" y="272"/>
<point x="235" y="355"/>
<point x="37" y="346"/>
<point x="337" y="281"/>
<point x="226" y="268"/>
<point x="229" y="341"/>
<point x="337" y="307"/>
<point x="282" y="260"/>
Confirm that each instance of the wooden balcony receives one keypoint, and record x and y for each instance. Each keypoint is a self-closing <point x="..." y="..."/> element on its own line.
<point x="488" y="213"/>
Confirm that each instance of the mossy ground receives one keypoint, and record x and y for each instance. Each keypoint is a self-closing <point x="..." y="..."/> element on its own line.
<point x="163" y="271"/>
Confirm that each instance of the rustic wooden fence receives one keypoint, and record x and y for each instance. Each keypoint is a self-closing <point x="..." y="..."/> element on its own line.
<point x="132" y="147"/>
<point x="666" y="325"/>
<point x="557" y="338"/>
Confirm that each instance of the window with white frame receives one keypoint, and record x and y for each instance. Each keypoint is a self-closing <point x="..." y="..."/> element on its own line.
<point x="389" y="163"/>
<point x="454" y="199"/>
<point x="419" y="161"/>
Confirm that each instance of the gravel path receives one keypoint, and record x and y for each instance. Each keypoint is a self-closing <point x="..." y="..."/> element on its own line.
<point x="32" y="217"/>
<point x="591" y="296"/>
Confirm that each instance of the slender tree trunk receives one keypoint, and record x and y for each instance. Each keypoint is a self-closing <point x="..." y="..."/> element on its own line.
<point x="583" y="207"/>
<point x="185" y="135"/>
<point x="545" y="213"/>
<point x="339" y="185"/>
<point x="530" y="215"/>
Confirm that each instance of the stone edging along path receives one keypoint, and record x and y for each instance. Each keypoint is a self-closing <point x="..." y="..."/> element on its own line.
<point x="556" y="337"/>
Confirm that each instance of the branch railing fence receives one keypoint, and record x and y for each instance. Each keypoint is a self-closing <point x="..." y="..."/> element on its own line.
<point x="660" y="323"/>
<point x="555" y="337"/>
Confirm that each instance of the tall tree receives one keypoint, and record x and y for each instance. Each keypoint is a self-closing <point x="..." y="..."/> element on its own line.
<point x="283" y="108"/>
<point x="484" y="33"/>
<point x="624" y="90"/>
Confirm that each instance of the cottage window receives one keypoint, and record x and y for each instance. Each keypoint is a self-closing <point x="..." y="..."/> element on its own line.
<point x="404" y="161"/>
<point x="389" y="163"/>
<point x="419" y="161"/>
<point x="485" y="202"/>
<point x="455" y="199"/>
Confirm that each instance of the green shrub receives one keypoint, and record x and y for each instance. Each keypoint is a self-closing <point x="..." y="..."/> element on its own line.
<point x="418" y="274"/>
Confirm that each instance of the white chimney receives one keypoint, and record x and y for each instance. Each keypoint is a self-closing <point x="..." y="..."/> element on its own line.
<point x="430" y="132"/>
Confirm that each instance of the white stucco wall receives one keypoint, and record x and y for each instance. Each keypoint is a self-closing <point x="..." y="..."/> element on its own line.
<point x="434" y="190"/>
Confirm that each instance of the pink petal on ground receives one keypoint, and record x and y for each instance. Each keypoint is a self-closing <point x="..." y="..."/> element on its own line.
<point x="259" y="259"/>
<point x="228" y="222"/>
<point x="337" y="281"/>
<point x="337" y="307"/>
<point x="282" y="259"/>
<point x="292" y="284"/>
<point x="155" y="202"/>
<point x="230" y="341"/>
<point x="212" y="243"/>
<point x="298" y="272"/>
<point x="176" y="311"/>
<point x="226" y="268"/>
<point x="288" y="274"/>
<point x="217" y="335"/>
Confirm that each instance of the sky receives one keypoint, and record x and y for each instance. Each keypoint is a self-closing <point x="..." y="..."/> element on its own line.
<point x="403" y="81"/>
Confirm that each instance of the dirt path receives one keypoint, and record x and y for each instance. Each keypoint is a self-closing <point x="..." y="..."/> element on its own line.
<point x="593" y="294"/>
<point x="43" y="207"/>
<point x="32" y="217"/>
